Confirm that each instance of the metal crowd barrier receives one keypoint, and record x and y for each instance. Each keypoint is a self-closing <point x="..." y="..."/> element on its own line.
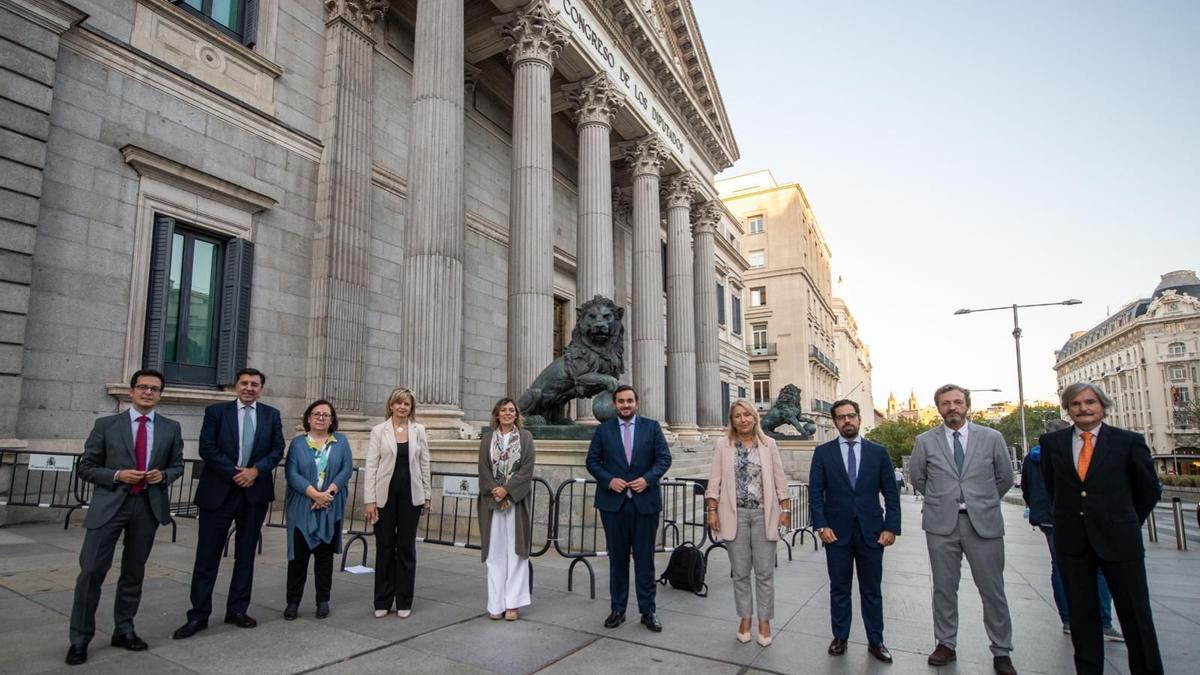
<point x="801" y="517"/>
<point x="50" y="485"/>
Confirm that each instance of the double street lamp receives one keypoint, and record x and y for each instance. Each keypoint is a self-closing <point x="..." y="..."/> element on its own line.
<point x="1017" y="340"/>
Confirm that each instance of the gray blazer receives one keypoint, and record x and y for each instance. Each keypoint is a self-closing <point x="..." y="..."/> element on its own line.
<point x="987" y="475"/>
<point x="109" y="448"/>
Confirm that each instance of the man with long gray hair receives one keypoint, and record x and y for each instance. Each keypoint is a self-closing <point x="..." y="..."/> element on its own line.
<point x="1102" y="484"/>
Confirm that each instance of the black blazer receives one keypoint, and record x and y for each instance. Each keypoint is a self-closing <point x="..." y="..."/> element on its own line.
<point x="219" y="447"/>
<point x="1106" y="510"/>
<point x="651" y="459"/>
<point x="833" y="503"/>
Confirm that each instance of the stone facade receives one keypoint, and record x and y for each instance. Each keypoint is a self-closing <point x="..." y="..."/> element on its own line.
<point x="854" y="363"/>
<point x="425" y="191"/>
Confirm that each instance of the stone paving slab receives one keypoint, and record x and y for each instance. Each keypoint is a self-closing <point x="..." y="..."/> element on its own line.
<point x="562" y="631"/>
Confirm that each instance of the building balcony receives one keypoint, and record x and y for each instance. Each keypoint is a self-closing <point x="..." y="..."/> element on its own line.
<point x="817" y="356"/>
<point x="764" y="350"/>
<point x="819" y="406"/>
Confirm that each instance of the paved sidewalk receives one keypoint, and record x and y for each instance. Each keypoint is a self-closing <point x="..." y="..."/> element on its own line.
<point x="561" y="632"/>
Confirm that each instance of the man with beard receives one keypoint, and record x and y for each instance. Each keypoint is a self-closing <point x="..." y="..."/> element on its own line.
<point x="848" y="476"/>
<point x="963" y="470"/>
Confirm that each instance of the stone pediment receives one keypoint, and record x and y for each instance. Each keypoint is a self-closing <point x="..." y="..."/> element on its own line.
<point x="1171" y="304"/>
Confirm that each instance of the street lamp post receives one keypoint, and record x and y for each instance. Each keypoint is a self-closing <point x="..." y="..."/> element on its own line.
<point x="1016" y="333"/>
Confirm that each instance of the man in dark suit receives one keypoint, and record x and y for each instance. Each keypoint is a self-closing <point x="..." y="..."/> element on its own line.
<point x="627" y="457"/>
<point x="847" y="478"/>
<point x="131" y="457"/>
<point x="1102" y="484"/>
<point x="241" y="443"/>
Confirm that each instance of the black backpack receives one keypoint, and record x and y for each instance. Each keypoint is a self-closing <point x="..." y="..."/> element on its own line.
<point x="685" y="570"/>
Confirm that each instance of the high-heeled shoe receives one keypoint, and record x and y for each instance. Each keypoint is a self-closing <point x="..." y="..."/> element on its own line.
<point x="764" y="640"/>
<point x="743" y="637"/>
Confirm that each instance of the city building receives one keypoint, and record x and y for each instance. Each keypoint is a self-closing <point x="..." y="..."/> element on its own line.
<point x="790" y="312"/>
<point x="354" y="195"/>
<point x="1146" y="356"/>
<point x="854" y="363"/>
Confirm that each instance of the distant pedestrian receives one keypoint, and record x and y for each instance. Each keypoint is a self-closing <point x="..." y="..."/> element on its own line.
<point x="506" y="464"/>
<point x="898" y="474"/>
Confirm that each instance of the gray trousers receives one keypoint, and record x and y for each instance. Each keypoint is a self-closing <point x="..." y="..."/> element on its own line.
<point x="751" y="550"/>
<point x="986" y="558"/>
<point x="136" y="521"/>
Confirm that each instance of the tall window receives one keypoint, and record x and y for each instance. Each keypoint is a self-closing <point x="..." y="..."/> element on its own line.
<point x="236" y="18"/>
<point x="1176" y="349"/>
<point x="720" y="305"/>
<point x="560" y="326"/>
<point x="762" y="390"/>
<point x="760" y="339"/>
<point x="755" y="224"/>
<point x="737" y="315"/>
<point x="758" y="258"/>
<point x="725" y="400"/>
<point x="198" y="309"/>
<point x="1178" y="373"/>
<point x="758" y="296"/>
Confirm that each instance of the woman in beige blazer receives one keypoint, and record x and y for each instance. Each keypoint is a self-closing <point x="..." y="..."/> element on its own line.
<point x="746" y="503"/>
<point x="396" y="492"/>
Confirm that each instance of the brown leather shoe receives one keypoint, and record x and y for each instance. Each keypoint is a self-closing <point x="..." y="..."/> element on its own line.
<point x="941" y="656"/>
<point x="837" y="647"/>
<point x="1003" y="665"/>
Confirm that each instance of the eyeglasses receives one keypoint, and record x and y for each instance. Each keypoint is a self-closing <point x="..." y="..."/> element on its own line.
<point x="320" y="416"/>
<point x="845" y="418"/>
<point x="148" y="388"/>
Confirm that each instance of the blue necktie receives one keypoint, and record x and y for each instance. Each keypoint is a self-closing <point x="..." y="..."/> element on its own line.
<point x="959" y="457"/>
<point x="852" y="465"/>
<point x="247" y="435"/>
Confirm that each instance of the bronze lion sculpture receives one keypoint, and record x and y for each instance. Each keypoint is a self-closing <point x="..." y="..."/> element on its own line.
<point x="590" y="365"/>
<point x="787" y="411"/>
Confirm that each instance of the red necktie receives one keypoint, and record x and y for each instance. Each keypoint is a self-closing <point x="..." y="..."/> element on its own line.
<point x="139" y="452"/>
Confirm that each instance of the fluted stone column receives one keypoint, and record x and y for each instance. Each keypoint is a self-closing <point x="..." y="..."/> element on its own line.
<point x="622" y="207"/>
<point x="681" y="309"/>
<point x="343" y="215"/>
<point x="708" y="349"/>
<point x="432" y="275"/>
<point x="534" y="37"/>
<point x="646" y="157"/>
<point x="596" y="102"/>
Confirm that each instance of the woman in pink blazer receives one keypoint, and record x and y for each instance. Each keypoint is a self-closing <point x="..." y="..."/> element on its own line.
<point x="746" y="503"/>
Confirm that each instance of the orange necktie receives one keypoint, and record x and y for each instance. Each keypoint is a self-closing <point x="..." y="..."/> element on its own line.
<point x="1085" y="454"/>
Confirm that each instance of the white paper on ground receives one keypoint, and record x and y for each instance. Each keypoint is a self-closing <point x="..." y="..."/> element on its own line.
<point x="360" y="569"/>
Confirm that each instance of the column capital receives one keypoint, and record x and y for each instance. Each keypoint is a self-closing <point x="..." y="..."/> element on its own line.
<point x="645" y="155"/>
<point x="595" y="100"/>
<point x="705" y="218"/>
<point x="621" y="202"/>
<point x="532" y="33"/>
<point x="362" y="14"/>
<point x="678" y="190"/>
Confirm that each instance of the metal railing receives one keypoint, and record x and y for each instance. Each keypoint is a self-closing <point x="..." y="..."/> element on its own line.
<point x="43" y="484"/>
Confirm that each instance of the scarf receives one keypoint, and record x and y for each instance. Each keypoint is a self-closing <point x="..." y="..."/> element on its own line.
<point x="505" y="454"/>
<point x="321" y="457"/>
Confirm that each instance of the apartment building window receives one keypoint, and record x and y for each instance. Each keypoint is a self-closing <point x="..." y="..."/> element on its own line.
<point x="236" y="18"/>
<point x="758" y="258"/>
<point x="758" y="296"/>
<point x="754" y="224"/>
<point x="759" y="339"/>
<point x="1178" y="373"/>
<point x="737" y="315"/>
<point x="1176" y="349"/>
<point x="663" y="244"/>
<point x="725" y="400"/>
<point x="720" y="305"/>
<point x="762" y="390"/>
<point x="198" y="305"/>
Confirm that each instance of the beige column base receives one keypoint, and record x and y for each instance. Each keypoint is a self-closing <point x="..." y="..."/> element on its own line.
<point x="687" y="432"/>
<point x="445" y="422"/>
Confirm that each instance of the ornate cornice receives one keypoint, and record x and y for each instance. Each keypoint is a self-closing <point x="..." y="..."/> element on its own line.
<point x="595" y="100"/>
<point x="532" y="33"/>
<point x="679" y="189"/>
<point x="362" y="14"/>
<point x="705" y="218"/>
<point x="645" y="155"/>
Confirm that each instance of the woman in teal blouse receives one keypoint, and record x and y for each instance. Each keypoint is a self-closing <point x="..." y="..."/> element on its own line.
<point x="319" y="465"/>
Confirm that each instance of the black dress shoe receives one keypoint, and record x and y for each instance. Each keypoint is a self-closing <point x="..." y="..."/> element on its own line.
<point x="322" y="610"/>
<point x="614" y="619"/>
<point x="77" y="655"/>
<point x="837" y="647"/>
<point x="241" y="620"/>
<point x="291" y="612"/>
<point x="130" y="641"/>
<point x="880" y="652"/>
<point x="189" y="629"/>
<point x="650" y="621"/>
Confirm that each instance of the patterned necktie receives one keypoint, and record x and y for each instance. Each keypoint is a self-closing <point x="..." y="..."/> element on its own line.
<point x="139" y="451"/>
<point x="247" y="435"/>
<point x="1085" y="454"/>
<point x="852" y="465"/>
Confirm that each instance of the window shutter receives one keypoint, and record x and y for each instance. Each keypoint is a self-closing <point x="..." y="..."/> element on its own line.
<point x="720" y="304"/>
<point x="234" y="332"/>
<point x="156" y="301"/>
<point x="250" y="23"/>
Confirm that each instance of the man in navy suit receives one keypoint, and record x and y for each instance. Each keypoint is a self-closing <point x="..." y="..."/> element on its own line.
<point x="627" y="457"/>
<point x="1102" y="484"/>
<point x="848" y="476"/>
<point x="241" y="443"/>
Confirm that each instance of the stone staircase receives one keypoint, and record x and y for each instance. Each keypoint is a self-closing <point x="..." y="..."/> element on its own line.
<point x="690" y="462"/>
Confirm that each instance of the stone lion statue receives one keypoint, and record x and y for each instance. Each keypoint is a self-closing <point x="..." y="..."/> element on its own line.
<point x="787" y="411"/>
<point x="589" y="366"/>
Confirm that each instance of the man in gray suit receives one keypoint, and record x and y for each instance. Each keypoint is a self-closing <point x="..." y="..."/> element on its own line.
<point x="963" y="470"/>
<point x="131" y="457"/>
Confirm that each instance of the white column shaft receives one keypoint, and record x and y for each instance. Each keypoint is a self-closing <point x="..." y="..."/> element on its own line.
<point x="647" y="329"/>
<point x="708" y="352"/>
<point x="681" y="320"/>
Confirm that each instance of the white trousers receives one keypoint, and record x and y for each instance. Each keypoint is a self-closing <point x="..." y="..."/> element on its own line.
<point x="508" y="575"/>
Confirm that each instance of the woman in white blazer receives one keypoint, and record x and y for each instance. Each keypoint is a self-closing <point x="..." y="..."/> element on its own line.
<point x="746" y="503"/>
<point x="395" y="494"/>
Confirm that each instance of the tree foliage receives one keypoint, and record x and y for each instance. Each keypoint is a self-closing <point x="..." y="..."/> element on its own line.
<point x="898" y="436"/>
<point x="1035" y="424"/>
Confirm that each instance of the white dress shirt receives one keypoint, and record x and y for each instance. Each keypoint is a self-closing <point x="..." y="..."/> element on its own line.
<point x="133" y="427"/>
<point x="844" y="444"/>
<point x="962" y="438"/>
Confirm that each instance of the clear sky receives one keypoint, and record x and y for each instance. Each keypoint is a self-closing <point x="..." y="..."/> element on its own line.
<point x="974" y="154"/>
